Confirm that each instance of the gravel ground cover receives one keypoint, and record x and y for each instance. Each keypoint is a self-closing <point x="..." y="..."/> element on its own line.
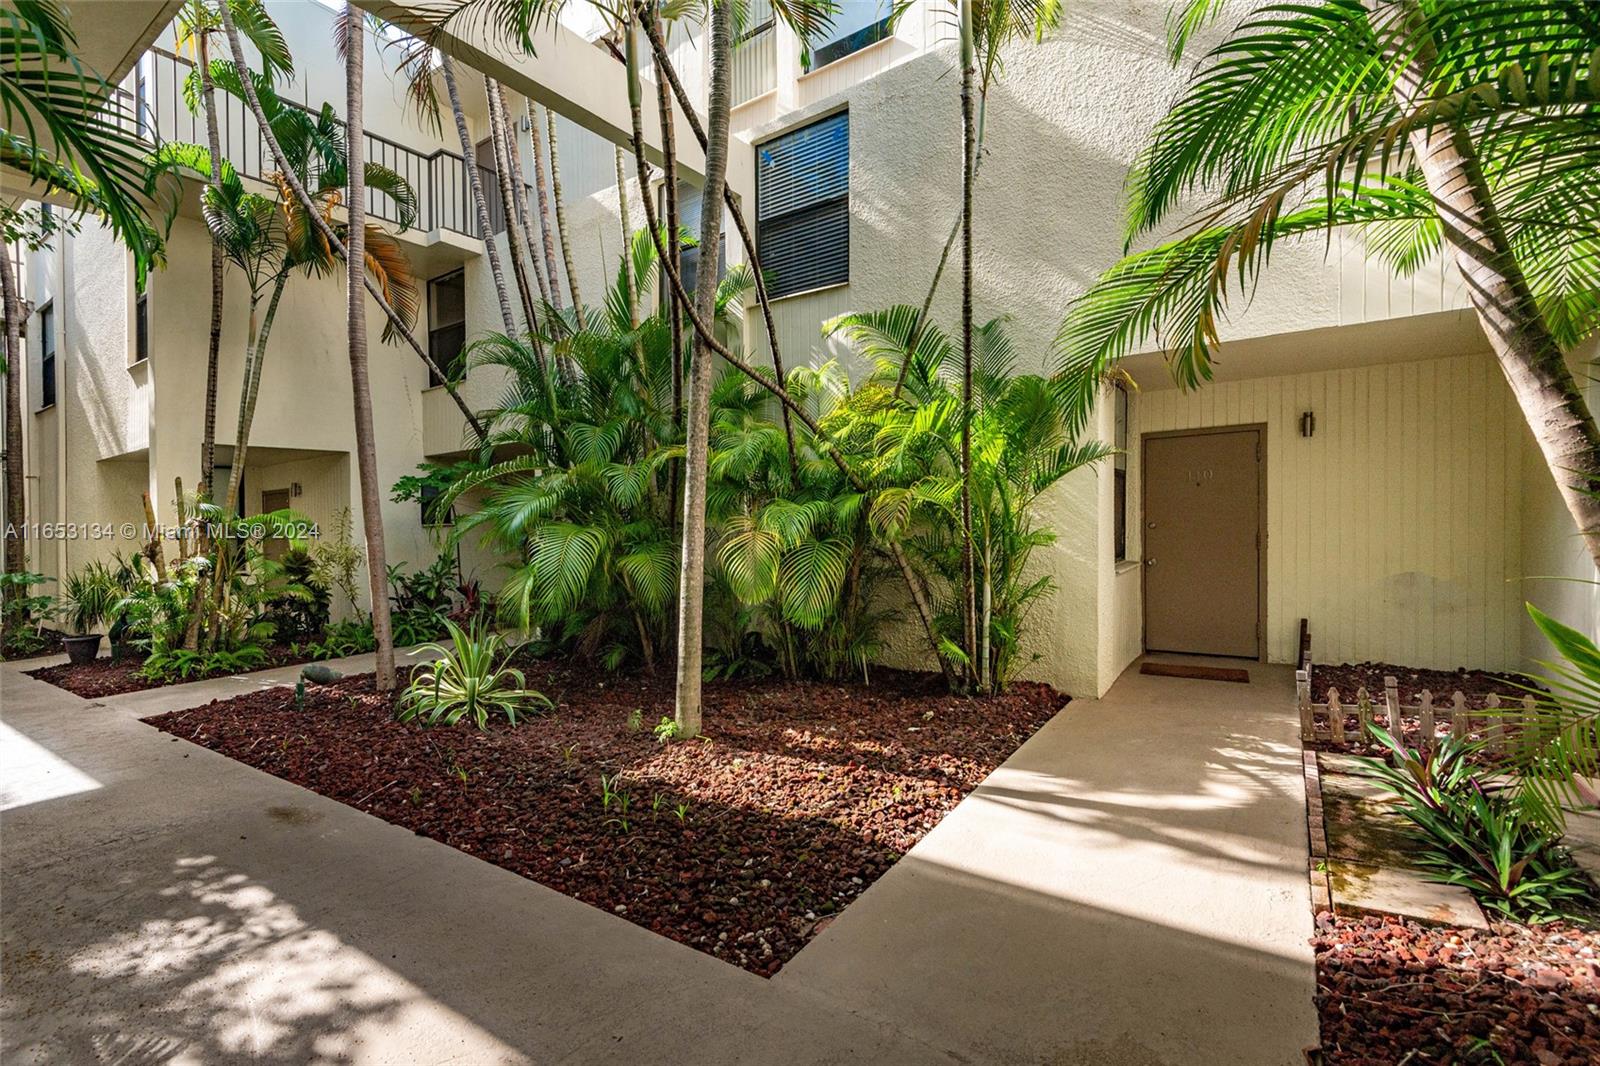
<point x="741" y="844"/>
<point x="1392" y="991"/>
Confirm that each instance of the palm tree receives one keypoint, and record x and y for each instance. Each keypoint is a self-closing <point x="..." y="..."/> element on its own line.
<point x="912" y="421"/>
<point x="270" y="239"/>
<point x="360" y="386"/>
<point x="197" y="22"/>
<point x="479" y="205"/>
<point x="1430" y="126"/>
<point x="66" y="129"/>
<point x="319" y="227"/>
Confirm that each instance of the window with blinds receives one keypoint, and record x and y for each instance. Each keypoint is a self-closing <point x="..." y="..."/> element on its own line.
<point x="803" y="207"/>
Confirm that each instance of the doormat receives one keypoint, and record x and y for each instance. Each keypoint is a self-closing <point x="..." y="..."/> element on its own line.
<point x="1202" y="673"/>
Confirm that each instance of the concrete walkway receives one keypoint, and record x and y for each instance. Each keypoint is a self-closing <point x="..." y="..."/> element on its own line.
<point x="1128" y="888"/>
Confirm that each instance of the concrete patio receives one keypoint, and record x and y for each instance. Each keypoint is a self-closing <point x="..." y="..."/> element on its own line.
<point x="1129" y="888"/>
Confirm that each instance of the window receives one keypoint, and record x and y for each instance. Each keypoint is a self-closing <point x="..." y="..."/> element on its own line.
<point x="803" y="207"/>
<point x="690" y="202"/>
<point x="47" y="356"/>
<point x="431" y="515"/>
<point x="447" y="325"/>
<point x="141" y="327"/>
<point x="856" y="24"/>
<point x="1119" y="467"/>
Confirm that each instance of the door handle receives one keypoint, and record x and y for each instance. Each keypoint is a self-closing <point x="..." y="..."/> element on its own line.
<point x="1149" y="562"/>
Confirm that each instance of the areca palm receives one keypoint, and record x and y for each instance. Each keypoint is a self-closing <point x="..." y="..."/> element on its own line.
<point x="1428" y="126"/>
<point x="907" y="422"/>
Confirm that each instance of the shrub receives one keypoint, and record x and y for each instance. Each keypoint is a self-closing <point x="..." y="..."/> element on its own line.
<point x="470" y="678"/>
<point x="342" y="639"/>
<point x="1475" y="836"/>
<point x="88" y="595"/>
<point x="183" y="664"/>
<point x="297" y="600"/>
<point x="420" y="602"/>
<point x="23" y="613"/>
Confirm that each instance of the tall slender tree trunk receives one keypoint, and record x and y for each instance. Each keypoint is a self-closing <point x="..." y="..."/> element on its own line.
<point x="241" y="430"/>
<point x="746" y="238"/>
<point x="561" y="219"/>
<point x="669" y="193"/>
<point x="520" y="197"/>
<point x="16" y="498"/>
<point x="969" y="611"/>
<point x="250" y="389"/>
<point x="208" y="437"/>
<point x="479" y="205"/>
<point x="691" y="587"/>
<point x="499" y="137"/>
<point x="627" y="243"/>
<point x="1532" y="361"/>
<point x="360" y="386"/>
<point x="314" y="215"/>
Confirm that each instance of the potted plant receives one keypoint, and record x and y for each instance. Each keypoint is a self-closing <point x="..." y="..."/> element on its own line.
<point x="88" y="596"/>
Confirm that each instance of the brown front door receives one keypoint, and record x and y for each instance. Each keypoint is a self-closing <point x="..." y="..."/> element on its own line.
<point x="1202" y="542"/>
<point x="275" y="500"/>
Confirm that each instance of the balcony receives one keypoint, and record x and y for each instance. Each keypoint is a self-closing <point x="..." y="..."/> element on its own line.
<point x="154" y="92"/>
<point x="755" y="56"/>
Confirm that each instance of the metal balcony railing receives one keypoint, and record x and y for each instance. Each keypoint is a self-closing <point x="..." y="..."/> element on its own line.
<point x="154" y="92"/>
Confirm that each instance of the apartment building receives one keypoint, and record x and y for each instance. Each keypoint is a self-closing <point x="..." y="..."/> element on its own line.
<point x="1359" y="461"/>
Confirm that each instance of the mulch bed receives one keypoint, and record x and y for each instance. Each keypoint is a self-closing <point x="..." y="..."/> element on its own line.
<point x="797" y="798"/>
<point x="1392" y="991"/>
<point x="1475" y="685"/>
<point x="113" y="677"/>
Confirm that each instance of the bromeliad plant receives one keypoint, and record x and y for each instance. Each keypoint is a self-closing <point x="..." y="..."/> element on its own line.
<point x="1474" y="834"/>
<point x="471" y="678"/>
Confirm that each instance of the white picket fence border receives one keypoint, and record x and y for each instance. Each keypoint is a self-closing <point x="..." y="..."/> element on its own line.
<point x="1326" y="721"/>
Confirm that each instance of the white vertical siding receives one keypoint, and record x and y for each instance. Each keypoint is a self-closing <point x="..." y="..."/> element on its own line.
<point x="1394" y="529"/>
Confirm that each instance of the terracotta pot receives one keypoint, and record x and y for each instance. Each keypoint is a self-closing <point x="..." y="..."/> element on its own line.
<point x="82" y="649"/>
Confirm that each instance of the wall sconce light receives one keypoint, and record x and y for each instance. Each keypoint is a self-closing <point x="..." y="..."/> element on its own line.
<point x="294" y="489"/>
<point x="1308" y="424"/>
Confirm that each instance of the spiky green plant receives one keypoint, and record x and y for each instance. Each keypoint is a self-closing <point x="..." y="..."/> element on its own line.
<point x="471" y="678"/>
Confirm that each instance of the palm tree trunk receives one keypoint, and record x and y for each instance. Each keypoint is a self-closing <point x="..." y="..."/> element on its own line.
<point x="669" y="193"/>
<point x="241" y="429"/>
<point x="520" y="194"/>
<point x="250" y="389"/>
<point x="498" y="136"/>
<point x="968" y="140"/>
<point x="208" y="438"/>
<point x="16" y="498"/>
<point x="561" y="219"/>
<point x="479" y="205"/>
<point x="360" y="386"/>
<point x="318" y="223"/>
<point x="627" y="244"/>
<point x="691" y="588"/>
<point x="1532" y="361"/>
<point x="665" y="69"/>
<point x="944" y="254"/>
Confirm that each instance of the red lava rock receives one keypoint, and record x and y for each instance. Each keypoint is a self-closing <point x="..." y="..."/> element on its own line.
<point x="776" y="836"/>
<point x="113" y="677"/>
<point x="1524" y="996"/>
